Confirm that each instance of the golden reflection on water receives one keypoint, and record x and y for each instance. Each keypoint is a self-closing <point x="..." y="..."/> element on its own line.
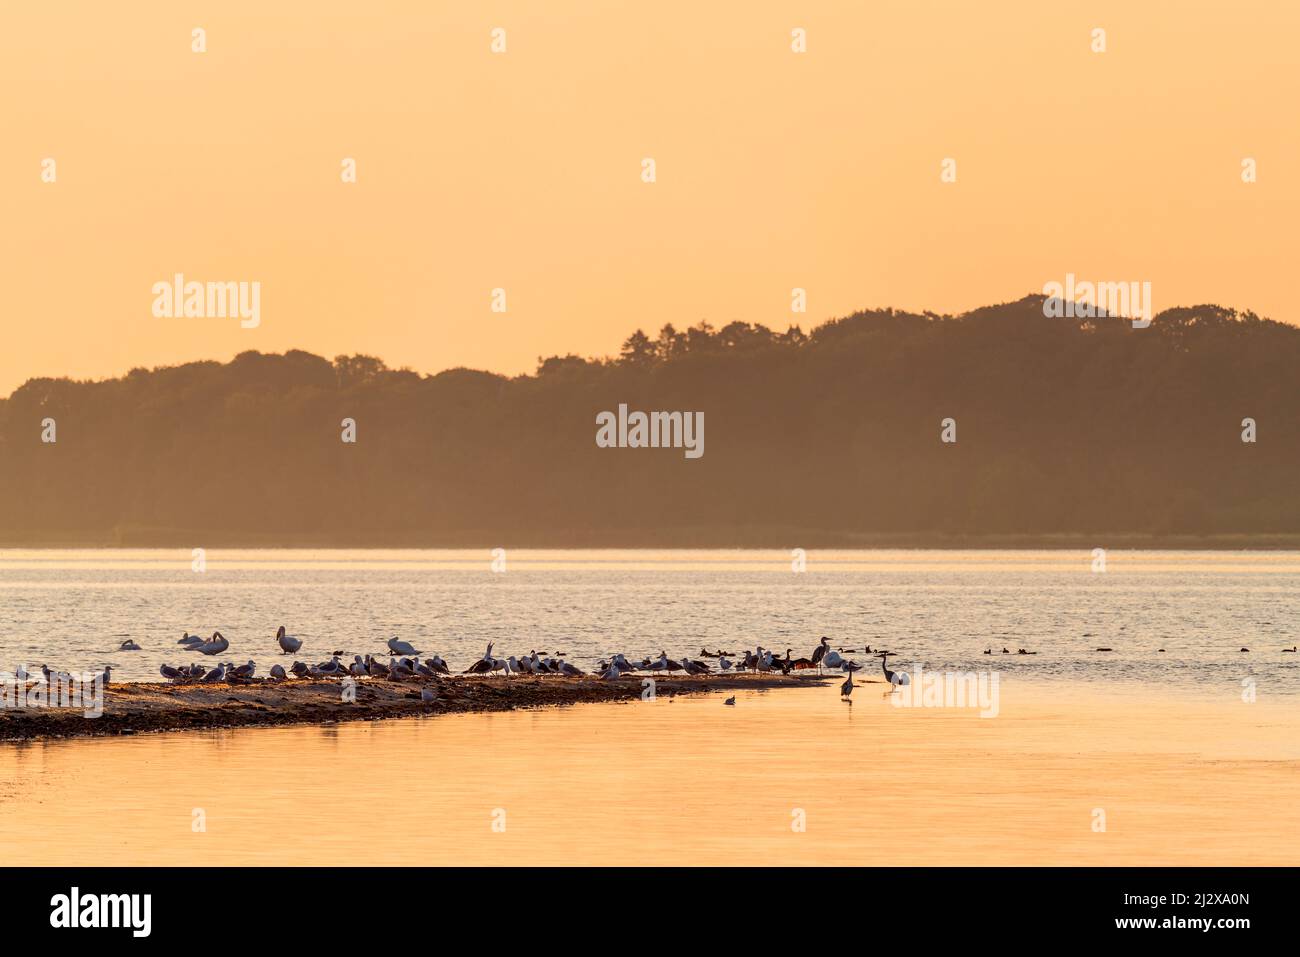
<point x="1181" y="780"/>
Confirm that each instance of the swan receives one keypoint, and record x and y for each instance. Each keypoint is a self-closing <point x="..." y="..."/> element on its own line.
<point x="216" y="646"/>
<point x="288" y="643"/>
<point x="128" y="645"/>
<point x="399" y="647"/>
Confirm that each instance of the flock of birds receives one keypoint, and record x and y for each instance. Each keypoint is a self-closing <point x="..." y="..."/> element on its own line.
<point x="410" y="666"/>
<point x="404" y="663"/>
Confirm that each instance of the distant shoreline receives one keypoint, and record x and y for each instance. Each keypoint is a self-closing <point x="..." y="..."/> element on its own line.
<point x="751" y="539"/>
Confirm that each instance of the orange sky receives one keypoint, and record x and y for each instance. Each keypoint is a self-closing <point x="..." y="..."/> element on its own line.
<point x="522" y="170"/>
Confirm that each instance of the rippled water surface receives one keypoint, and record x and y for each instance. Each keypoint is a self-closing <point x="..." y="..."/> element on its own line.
<point x="72" y="609"/>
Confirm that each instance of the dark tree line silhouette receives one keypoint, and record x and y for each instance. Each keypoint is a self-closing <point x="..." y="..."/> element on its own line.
<point x="1067" y="429"/>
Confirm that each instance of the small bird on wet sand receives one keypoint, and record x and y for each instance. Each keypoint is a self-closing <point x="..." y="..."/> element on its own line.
<point x="731" y="700"/>
<point x="278" y="673"/>
<point x="427" y="695"/>
<point x="212" y="677"/>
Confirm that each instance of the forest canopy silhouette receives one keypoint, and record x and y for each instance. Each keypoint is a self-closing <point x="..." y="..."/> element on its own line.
<point x="1068" y="430"/>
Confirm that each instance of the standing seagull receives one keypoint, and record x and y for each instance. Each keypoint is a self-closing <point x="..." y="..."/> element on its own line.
<point x="288" y="643"/>
<point x="214" y="676"/>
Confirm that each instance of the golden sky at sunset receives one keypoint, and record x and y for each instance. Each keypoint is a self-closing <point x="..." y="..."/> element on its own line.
<point x="522" y="170"/>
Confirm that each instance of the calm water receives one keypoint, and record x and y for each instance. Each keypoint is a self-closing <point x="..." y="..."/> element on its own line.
<point x="71" y="609"/>
<point x="785" y="777"/>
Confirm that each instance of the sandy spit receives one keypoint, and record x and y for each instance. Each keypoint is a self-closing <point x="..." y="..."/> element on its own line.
<point x="131" y="708"/>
